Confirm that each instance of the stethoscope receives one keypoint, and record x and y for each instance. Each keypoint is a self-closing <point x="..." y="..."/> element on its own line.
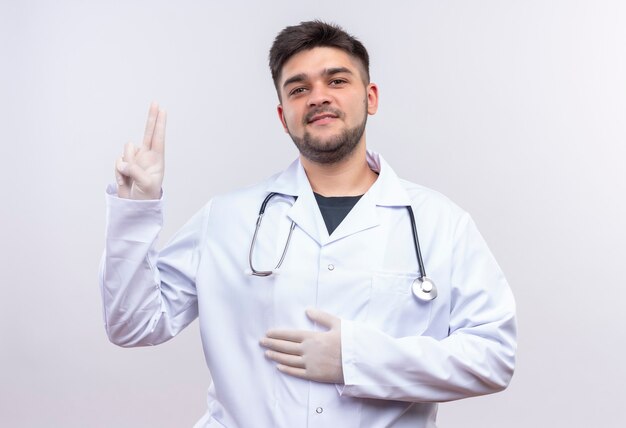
<point x="423" y="287"/>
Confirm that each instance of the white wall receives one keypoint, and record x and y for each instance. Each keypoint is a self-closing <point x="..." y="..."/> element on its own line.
<point x="514" y="109"/>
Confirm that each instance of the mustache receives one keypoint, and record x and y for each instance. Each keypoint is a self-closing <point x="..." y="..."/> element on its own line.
<point x="321" y="110"/>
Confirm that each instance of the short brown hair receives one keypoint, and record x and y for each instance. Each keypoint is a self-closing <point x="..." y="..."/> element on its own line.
<point x="311" y="34"/>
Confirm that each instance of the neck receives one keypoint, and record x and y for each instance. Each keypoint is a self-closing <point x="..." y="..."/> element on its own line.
<point x="350" y="177"/>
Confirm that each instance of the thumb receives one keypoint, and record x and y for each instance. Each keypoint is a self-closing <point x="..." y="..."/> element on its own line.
<point x="322" y="318"/>
<point x="123" y="182"/>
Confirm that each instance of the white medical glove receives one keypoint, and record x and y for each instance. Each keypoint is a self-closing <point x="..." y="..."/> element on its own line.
<point x="139" y="172"/>
<point x="312" y="355"/>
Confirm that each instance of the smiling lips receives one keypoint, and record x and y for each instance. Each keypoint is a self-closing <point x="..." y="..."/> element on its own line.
<point x="322" y="118"/>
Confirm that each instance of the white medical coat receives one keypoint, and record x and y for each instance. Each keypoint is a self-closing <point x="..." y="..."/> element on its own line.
<point x="400" y="355"/>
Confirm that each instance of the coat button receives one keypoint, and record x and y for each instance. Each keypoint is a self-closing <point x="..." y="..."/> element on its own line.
<point x="331" y="267"/>
<point x="319" y="410"/>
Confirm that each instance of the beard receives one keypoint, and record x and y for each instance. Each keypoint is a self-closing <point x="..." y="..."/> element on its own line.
<point x="333" y="149"/>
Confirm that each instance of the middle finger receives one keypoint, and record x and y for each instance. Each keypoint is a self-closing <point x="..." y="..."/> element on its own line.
<point x="284" y="346"/>
<point x="153" y="112"/>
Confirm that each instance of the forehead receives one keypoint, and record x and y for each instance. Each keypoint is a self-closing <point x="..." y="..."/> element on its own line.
<point x="312" y="62"/>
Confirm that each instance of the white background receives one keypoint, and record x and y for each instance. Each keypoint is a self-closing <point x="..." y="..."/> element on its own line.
<point x="514" y="109"/>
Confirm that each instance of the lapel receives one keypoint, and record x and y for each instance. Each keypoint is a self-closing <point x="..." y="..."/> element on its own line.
<point x="386" y="191"/>
<point x="304" y="212"/>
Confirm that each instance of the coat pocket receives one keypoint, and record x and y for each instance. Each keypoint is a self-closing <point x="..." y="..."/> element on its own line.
<point x="394" y="309"/>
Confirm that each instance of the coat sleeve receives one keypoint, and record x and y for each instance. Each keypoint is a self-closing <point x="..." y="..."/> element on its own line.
<point x="148" y="296"/>
<point x="477" y="357"/>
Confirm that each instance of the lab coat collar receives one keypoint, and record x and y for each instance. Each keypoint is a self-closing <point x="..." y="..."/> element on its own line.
<point x="387" y="190"/>
<point x="304" y="211"/>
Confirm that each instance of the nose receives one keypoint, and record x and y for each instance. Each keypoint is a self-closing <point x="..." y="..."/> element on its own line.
<point x="319" y="95"/>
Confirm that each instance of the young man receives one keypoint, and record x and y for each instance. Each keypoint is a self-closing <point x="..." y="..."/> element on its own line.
<point x="329" y="288"/>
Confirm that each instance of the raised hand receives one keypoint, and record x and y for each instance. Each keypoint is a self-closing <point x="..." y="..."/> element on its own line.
<point x="139" y="172"/>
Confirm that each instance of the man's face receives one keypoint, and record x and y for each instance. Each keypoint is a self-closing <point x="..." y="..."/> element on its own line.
<point x="325" y="102"/>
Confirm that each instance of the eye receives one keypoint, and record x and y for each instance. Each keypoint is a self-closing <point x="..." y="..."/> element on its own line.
<point x="297" y="91"/>
<point x="337" y="82"/>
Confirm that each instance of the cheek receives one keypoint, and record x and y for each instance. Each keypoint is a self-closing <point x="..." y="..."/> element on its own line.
<point x="291" y="119"/>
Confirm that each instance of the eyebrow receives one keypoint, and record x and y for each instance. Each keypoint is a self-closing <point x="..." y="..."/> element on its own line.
<point x="300" y="77"/>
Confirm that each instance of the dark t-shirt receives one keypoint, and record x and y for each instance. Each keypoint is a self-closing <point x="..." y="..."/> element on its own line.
<point x="335" y="208"/>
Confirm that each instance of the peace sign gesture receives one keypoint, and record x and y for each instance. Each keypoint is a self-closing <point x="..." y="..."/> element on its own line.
<point x="139" y="172"/>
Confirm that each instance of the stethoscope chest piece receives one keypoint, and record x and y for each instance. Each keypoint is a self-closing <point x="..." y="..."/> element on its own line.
<point x="424" y="289"/>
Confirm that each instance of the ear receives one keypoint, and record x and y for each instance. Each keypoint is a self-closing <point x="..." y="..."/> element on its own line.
<point x="372" y="98"/>
<point x="281" y="116"/>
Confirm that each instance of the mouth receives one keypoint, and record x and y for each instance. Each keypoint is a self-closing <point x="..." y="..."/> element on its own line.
<point x="322" y="118"/>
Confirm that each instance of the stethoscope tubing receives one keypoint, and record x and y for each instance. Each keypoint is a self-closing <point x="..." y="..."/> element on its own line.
<point x="254" y="238"/>
<point x="423" y="288"/>
<point x="416" y="242"/>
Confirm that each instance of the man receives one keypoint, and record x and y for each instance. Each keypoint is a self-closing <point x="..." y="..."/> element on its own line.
<point x="325" y="289"/>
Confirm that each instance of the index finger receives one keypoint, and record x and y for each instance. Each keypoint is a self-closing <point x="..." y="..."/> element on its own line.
<point x="153" y="112"/>
<point x="289" y="335"/>
<point x="158" y="139"/>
